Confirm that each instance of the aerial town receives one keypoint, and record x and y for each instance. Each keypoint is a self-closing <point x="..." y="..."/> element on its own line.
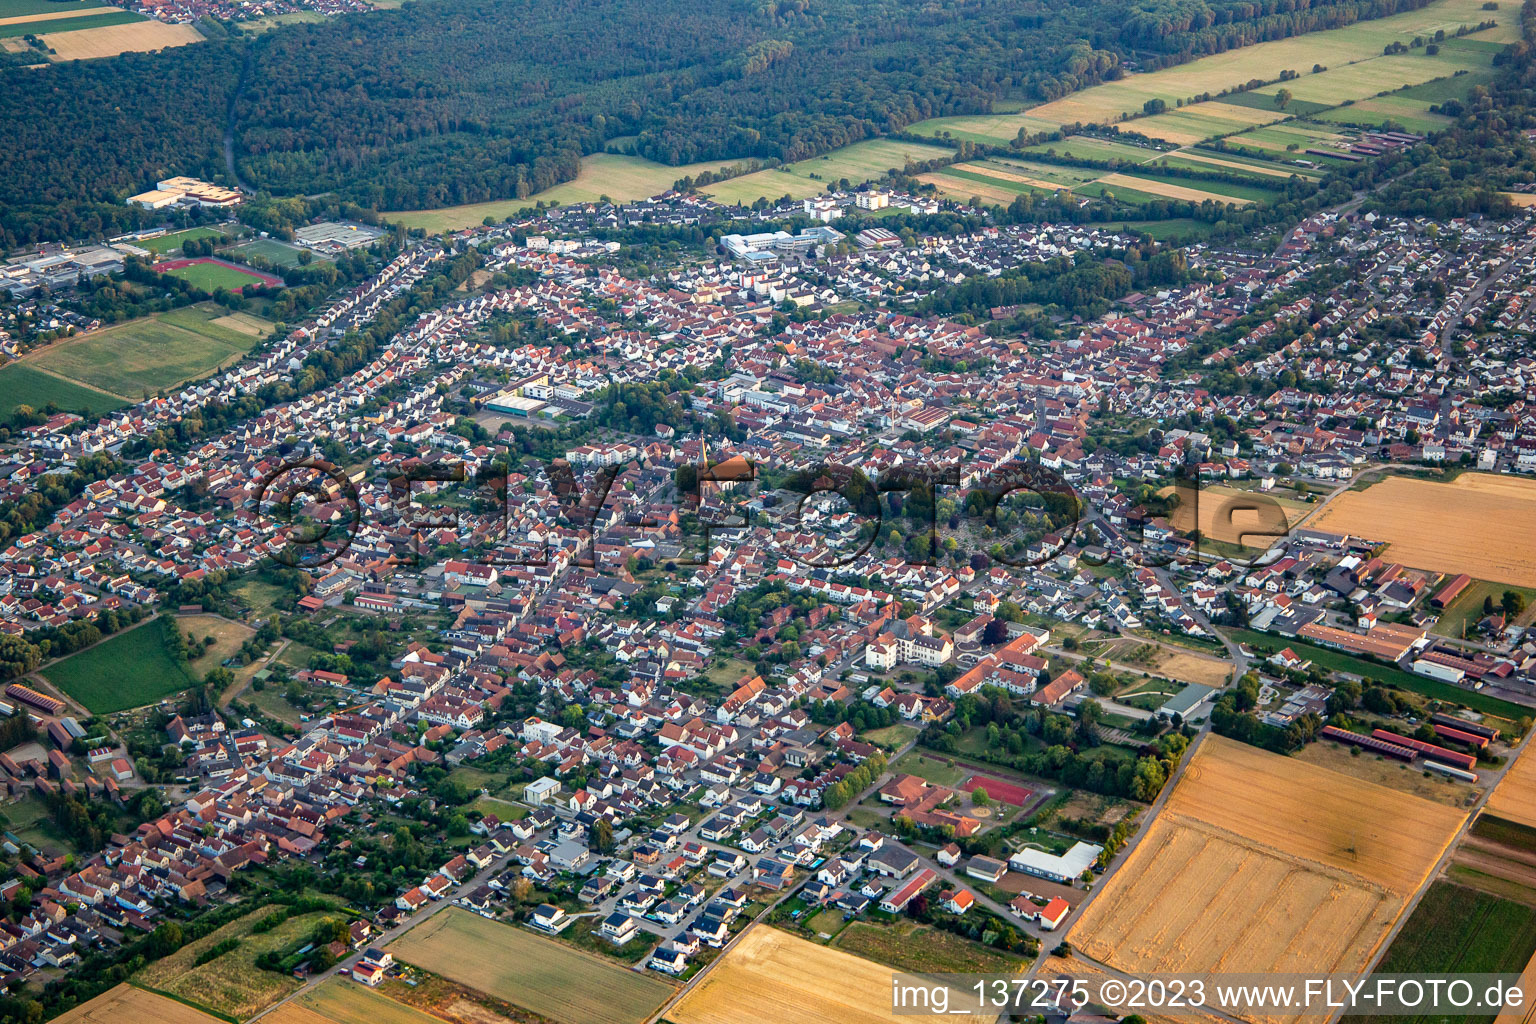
<point x="690" y="609"/>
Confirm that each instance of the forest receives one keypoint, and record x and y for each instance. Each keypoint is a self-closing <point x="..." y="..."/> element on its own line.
<point x="456" y="101"/>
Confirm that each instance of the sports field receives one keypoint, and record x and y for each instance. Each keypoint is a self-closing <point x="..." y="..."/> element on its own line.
<point x="22" y="384"/>
<point x="774" y="976"/>
<point x="1480" y="523"/>
<point x="211" y="274"/>
<point x="538" y="974"/>
<point x="1262" y="863"/>
<point x="175" y="239"/>
<point x="126" y="670"/>
<point x="861" y="161"/>
<point x="137" y="359"/>
<point x="280" y="253"/>
<point x="620" y="177"/>
<point x="338" y="1001"/>
<point x="111" y="40"/>
<point x="128" y="1005"/>
<point x="1358" y="46"/>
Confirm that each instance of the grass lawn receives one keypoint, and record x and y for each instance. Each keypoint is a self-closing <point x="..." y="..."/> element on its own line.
<point x="174" y="240"/>
<point x="127" y="670"/>
<point x="893" y="736"/>
<point x="506" y="810"/>
<point x="23" y="384"/>
<point x="547" y="977"/>
<point x="1466" y="611"/>
<point x="139" y="358"/>
<point x="907" y="946"/>
<point x="938" y="772"/>
<point x="1456" y="930"/>
<point x="227" y="639"/>
<point x="259" y="596"/>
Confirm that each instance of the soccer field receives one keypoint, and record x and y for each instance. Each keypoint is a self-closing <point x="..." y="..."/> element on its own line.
<point x="211" y="275"/>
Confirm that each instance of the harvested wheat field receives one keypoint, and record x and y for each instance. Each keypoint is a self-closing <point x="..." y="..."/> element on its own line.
<point x="1168" y="190"/>
<point x="111" y="40"/>
<point x="128" y="1005"/>
<point x="1091" y="975"/>
<point x="1261" y="863"/>
<point x="1235" y="516"/>
<point x="1514" y="798"/>
<point x="1480" y="523"/>
<point x="772" y="975"/>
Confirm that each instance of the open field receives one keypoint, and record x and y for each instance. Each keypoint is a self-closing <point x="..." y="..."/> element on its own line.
<point x="1168" y="188"/>
<point x="989" y="129"/>
<point x="1191" y="667"/>
<point x="136" y="359"/>
<point x="126" y="670"/>
<point x="1387" y="772"/>
<point x="1262" y="863"/>
<point x="1279" y="138"/>
<point x="622" y="178"/>
<point x="10" y="9"/>
<point x="23" y="384"/>
<point x="1231" y="515"/>
<point x="1086" y="147"/>
<point x="1464" y="613"/>
<point x="1353" y="45"/>
<point x="1478" y="524"/>
<point x="61" y="12"/>
<point x="230" y="984"/>
<point x="1456" y="930"/>
<point x="1201" y="121"/>
<point x="339" y="1001"/>
<point x="541" y="975"/>
<point x="1196" y="161"/>
<point x="71" y="20"/>
<point x="109" y="41"/>
<point x="861" y="161"/>
<point x="771" y="975"/>
<point x="1514" y="798"/>
<point x="907" y="946"/>
<point x="128" y="1005"/>
<point x="227" y="637"/>
<point x="1376" y="832"/>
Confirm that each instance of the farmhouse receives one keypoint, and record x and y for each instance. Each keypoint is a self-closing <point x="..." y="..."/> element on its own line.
<point x="896" y="901"/>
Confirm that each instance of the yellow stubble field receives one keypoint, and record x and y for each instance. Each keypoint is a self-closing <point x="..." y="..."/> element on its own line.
<point x="128" y="1005"/>
<point x="1480" y="523"/>
<point x="1262" y="863"/>
<point x="772" y="975"/>
<point x="111" y="40"/>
